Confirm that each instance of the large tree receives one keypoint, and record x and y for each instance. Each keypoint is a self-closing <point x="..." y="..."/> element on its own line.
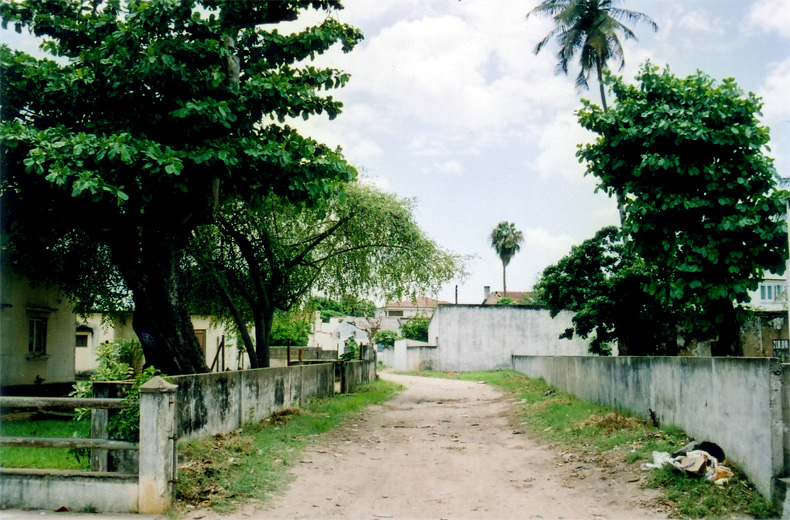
<point x="591" y="28"/>
<point x="605" y="287"/>
<point x="506" y="241"/>
<point x="254" y="263"/>
<point x="701" y="197"/>
<point x="149" y="116"/>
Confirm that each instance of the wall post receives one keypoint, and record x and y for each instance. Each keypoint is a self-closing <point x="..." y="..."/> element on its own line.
<point x="157" y="446"/>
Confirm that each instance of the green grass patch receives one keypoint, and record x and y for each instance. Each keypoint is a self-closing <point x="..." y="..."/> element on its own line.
<point x="223" y="471"/>
<point x="591" y="430"/>
<point x="38" y="425"/>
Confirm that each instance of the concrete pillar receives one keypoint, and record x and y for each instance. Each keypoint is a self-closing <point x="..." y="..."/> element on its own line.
<point x="157" y="446"/>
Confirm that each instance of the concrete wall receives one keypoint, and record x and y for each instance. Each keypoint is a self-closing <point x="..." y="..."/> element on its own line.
<point x="357" y="373"/>
<point x="102" y="331"/>
<point x="118" y="494"/>
<point x="411" y="355"/>
<point x="278" y="356"/>
<point x="734" y="402"/>
<point x="19" y="301"/>
<point x="477" y="337"/>
<point x="221" y="402"/>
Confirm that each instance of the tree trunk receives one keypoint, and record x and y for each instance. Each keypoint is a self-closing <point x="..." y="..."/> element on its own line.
<point x="599" y="70"/>
<point x="263" y="335"/>
<point x="729" y="331"/>
<point x="619" y="195"/>
<point x="504" y="280"/>
<point x="249" y="345"/>
<point x="160" y="320"/>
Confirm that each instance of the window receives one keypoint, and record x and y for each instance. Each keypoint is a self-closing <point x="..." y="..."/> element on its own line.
<point x="395" y="314"/>
<point x="771" y="291"/>
<point x="37" y="344"/>
<point x="81" y="340"/>
<point x="781" y="349"/>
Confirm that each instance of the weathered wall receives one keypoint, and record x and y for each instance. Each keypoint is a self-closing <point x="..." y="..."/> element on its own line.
<point x="411" y="355"/>
<point x="19" y="301"/>
<point x="279" y="355"/>
<point x="120" y="327"/>
<point x="221" y="402"/>
<point x="357" y="373"/>
<point x="102" y="331"/>
<point x="483" y="337"/>
<point x="734" y="402"/>
<point x="105" y="493"/>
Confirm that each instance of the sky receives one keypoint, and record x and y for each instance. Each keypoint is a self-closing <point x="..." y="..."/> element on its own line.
<point x="449" y="106"/>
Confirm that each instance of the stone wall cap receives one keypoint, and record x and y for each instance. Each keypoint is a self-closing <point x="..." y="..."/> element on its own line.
<point x="157" y="385"/>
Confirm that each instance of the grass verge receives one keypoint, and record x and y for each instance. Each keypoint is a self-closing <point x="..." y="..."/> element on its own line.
<point x="42" y="425"/>
<point x="252" y="463"/>
<point x="595" y="432"/>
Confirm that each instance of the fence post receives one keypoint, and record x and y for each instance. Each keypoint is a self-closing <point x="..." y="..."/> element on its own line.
<point x="157" y="446"/>
<point x="99" y="420"/>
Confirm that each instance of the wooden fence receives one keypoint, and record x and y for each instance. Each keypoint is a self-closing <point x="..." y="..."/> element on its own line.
<point x="149" y="490"/>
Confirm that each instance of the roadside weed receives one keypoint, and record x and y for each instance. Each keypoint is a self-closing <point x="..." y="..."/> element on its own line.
<point x="253" y="463"/>
<point x="589" y="429"/>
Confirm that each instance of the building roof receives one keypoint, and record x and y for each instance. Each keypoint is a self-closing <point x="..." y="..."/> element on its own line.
<point x="421" y="302"/>
<point x="495" y="296"/>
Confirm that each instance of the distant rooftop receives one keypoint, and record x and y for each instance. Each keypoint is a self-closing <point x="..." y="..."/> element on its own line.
<point x="422" y="302"/>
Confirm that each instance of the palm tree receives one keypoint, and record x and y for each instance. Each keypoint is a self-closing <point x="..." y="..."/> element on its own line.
<point x="590" y="27"/>
<point x="506" y="241"/>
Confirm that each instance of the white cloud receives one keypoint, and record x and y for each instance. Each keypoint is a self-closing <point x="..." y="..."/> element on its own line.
<point x="452" y="167"/>
<point x="700" y="21"/>
<point x="379" y="182"/>
<point x="770" y="16"/>
<point x="775" y="91"/>
<point x="558" y="144"/>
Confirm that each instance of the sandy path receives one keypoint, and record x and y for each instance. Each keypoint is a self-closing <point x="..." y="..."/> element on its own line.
<point x="446" y="449"/>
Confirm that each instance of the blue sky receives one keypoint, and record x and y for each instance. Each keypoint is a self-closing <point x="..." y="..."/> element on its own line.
<point x="448" y="105"/>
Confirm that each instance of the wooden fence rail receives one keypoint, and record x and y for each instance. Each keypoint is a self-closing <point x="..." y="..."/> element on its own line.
<point x="68" y="442"/>
<point x="64" y="402"/>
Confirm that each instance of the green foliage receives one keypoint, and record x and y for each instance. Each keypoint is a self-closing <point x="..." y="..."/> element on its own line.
<point x="290" y="329"/>
<point x="585" y="431"/>
<point x="347" y="305"/>
<point x="351" y="352"/>
<point x="506" y="241"/>
<point x="701" y="199"/>
<point x="591" y="28"/>
<point x="223" y="472"/>
<point x="39" y="425"/>
<point x="606" y="289"/>
<point x="506" y="301"/>
<point x="119" y="361"/>
<point x="149" y="116"/>
<point x="386" y="338"/>
<point x="255" y="262"/>
<point x="125" y="424"/>
<point x="415" y="328"/>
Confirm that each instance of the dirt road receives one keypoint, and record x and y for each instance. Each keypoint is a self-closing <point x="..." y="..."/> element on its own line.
<point x="447" y="449"/>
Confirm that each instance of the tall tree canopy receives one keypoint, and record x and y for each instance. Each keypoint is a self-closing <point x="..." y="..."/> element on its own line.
<point x="150" y="116"/>
<point x="253" y="263"/>
<point x="506" y="241"/>
<point x="591" y="28"/>
<point x="701" y="198"/>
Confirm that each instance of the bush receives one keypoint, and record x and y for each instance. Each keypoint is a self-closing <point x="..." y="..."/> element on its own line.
<point x="386" y="338"/>
<point x="415" y="328"/>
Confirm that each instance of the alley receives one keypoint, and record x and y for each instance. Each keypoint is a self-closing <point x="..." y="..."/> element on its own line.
<point x="446" y="449"/>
